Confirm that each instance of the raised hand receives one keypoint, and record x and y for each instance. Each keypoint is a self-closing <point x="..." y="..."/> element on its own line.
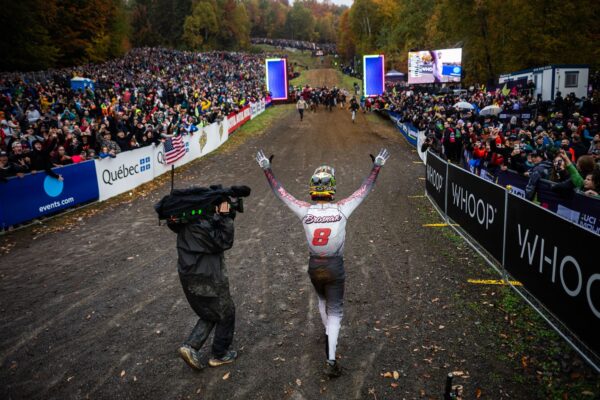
<point x="381" y="158"/>
<point x="262" y="160"/>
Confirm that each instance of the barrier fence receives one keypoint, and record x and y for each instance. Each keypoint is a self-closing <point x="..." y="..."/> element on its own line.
<point x="551" y="256"/>
<point x="36" y="195"/>
<point x="550" y="248"/>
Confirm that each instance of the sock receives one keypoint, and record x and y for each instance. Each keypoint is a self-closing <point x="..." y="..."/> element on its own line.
<point x="323" y="312"/>
<point x="333" y="330"/>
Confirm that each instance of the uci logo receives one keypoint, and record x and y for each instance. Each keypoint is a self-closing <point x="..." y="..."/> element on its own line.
<point x="53" y="187"/>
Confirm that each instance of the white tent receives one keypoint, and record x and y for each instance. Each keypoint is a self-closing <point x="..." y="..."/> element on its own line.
<point x="393" y="74"/>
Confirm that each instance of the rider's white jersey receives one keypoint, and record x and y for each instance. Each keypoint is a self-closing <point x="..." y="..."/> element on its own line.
<point x="325" y="223"/>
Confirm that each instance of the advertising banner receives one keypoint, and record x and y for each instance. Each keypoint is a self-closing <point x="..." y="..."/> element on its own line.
<point x="434" y="66"/>
<point x="35" y="195"/>
<point x="374" y="75"/>
<point x="478" y="207"/>
<point x="124" y="172"/>
<point x="435" y="179"/>
<point x="549" y="256"/>
<point x="409" y="132"/>
<point x="420" y="140"/>
<point x="257" y="108"/>
<point x="253" y="110"/>
<point x="576" y="207"/>
<point x="276" y="77"/>
<point x="235" y="120"/>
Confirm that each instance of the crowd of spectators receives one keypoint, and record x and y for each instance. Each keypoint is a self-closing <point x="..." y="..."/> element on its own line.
<point x="325" y="48"/>
<point x="558" y="141"/>
<point x="138" y="100"/>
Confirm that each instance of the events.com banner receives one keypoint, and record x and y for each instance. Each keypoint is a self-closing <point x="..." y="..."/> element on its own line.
<point x="36" y="195"/>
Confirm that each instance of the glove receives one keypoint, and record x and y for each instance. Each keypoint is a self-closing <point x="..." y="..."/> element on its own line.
<point x="381" y="158"/>
<point x="263" y="161"/>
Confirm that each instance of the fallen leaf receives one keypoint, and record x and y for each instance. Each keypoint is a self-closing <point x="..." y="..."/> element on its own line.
<point x="198" y="391"/>
<point x="388" y="375"/>
<point x="122" y="373"/>
<point x="396" y="375"/>
<point x="298" y="382"/>
<point x="422" y="392"/>
<point x="587" y="393"/>
<point x="458" y="373"/>
<point x="226" y="376"/>
<point x="135" y="378"/>
<point x="441" y="327"/>
<point x="435" y="300"/>
<point x="394" y="385"/>
<point x="524" y="361"/>
<point x="69" y="378"/>
<point x="477" y="393"/>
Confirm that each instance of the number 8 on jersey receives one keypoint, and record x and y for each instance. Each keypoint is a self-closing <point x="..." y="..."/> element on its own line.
<point x="321" y="237"/>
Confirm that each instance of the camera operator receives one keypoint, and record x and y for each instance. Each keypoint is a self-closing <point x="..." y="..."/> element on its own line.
<point x="201" y="267"/>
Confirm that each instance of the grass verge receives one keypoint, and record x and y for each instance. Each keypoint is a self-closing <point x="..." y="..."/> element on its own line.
<point x="540" y="358"/>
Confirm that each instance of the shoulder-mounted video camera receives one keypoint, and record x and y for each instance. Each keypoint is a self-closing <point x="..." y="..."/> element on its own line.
<point x="192" y="204"/>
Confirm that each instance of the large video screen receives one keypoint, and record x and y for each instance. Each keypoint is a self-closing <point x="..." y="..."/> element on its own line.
<point x="276" y="77"/>
<point x="374" y="75"/>
<point x="434" y="66"/>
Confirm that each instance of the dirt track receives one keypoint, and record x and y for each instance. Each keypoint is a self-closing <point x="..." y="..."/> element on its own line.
<point x="82" y="305"/>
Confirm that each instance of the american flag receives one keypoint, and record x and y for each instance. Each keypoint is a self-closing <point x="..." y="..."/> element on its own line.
<point x="174" y="149"/>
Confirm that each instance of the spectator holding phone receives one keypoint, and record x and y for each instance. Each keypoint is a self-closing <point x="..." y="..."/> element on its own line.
<point x="541" y="170"/>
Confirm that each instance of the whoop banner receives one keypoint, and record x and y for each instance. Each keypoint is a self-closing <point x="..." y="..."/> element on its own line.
<point x="534" y="245"/>
<point x="478" y="207"/>
<point x="435" y="180"/>
<point x="276" y="76"/>
<point x="373" y="75"/>
<point x="546" y="253"/>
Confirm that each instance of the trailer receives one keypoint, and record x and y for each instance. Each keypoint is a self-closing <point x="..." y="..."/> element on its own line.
<point x="551" y="79"/>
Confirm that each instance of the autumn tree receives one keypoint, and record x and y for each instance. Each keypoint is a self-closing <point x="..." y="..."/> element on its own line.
<point x="200" y="29"/>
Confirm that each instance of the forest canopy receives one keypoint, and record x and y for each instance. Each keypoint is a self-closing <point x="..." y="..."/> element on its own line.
<point x="496" y="37"/>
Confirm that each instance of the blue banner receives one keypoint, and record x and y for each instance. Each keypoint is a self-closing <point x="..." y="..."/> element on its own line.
<point x="408" y="130"/>
<point x="35" y="195"/>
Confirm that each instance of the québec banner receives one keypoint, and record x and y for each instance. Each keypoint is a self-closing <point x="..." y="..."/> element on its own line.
<point x="35" y="195"/>
<point x="124" y="172"/>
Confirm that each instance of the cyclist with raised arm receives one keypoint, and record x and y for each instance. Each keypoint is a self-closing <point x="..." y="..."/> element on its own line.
<point x="325" y="227"/>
